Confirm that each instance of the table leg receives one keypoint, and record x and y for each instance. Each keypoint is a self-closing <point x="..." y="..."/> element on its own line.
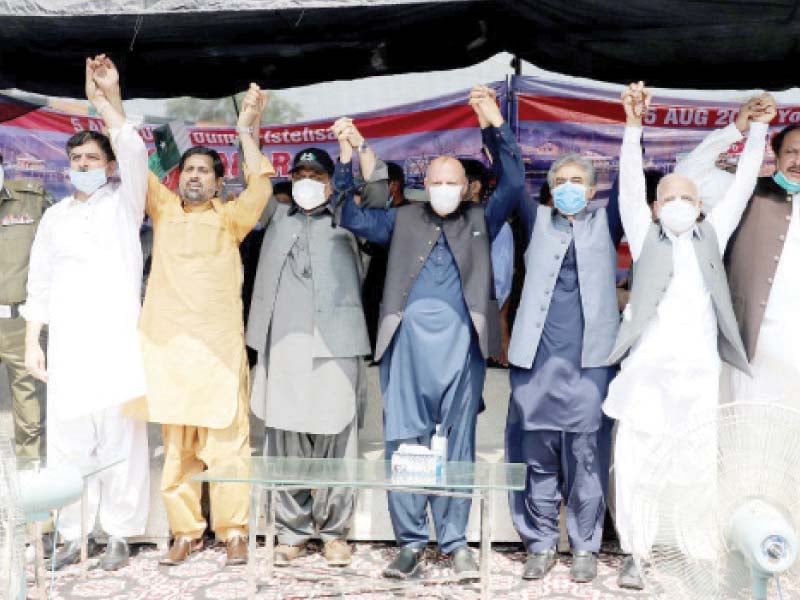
<point x="40" y="577"/>
<point x="252" y="559"/>
<point x="84" y="529"/>
<point x="271" y="531"/>
<point x="486" y="542"/>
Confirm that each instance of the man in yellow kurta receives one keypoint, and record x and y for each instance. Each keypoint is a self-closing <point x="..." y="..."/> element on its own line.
<point x="193" y="336"/>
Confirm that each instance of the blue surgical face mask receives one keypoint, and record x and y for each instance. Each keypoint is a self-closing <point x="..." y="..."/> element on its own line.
<point x="789" y="186"/>
<point x="88" y="181"/>
<point x="570" y="198"/>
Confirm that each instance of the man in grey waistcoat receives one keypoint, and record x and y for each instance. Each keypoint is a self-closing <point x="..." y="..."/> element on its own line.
<point x="564" y="330"/>
<point x="307" y="324"/>
<point x="438" y="324"/>
<point x="679" y="323"/>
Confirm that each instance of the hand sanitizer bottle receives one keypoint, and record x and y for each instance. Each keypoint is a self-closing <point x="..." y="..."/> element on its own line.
<point x="439" y="447"/>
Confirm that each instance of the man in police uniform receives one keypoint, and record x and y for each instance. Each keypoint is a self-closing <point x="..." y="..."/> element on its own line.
<point x="22" y="202"/>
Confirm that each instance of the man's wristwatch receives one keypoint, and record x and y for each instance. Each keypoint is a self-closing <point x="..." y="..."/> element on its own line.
<point x="363" y="146"/>
<point x="242" y="129"/>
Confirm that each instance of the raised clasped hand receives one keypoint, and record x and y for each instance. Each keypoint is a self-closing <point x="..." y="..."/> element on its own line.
<point x="636" y="100"/>
<point x="483" y="101"/>
<point x="253" y="103"/>
<point x="764" y="108"/>
<point x="346" y="132"/>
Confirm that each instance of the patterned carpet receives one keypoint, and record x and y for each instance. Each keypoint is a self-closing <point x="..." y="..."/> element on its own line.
<point x="204" y="576"/>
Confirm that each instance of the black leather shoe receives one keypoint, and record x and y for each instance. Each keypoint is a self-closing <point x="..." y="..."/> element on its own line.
<point x="406" y="564"/>
<point x="539" y="564"/>
<point x="464" y="565"/>
<point x="117" y="554"/>
<point x="629" y="576"/>
<point x="70" y="554"/>
<point x="584" y="566"/>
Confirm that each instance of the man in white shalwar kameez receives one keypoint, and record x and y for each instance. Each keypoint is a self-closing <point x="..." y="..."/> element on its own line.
<point x="679" y="322"/>
<point x="85" y="283"/>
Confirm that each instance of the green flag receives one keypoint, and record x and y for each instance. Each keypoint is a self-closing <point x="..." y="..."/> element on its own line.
<point x="171" y="141"/>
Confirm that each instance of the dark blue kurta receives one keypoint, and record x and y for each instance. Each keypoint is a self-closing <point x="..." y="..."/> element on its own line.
<point x="421" y="389"/>
<point x="556" y="393"/>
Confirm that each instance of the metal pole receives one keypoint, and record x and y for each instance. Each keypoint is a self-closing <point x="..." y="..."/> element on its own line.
<point x="252" y="562"/>
<point x="39" y="569"/>
<point x="84" y="529"/>
<point x="516" y="64"/>
<point x="486" y="543"/>
<point x="273" y="498"/>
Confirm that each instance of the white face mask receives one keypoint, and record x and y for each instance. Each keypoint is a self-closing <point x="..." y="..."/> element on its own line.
<point x="678" y="215"/>
<point x="445" y="198"/>
<point x="88" y="181"/>
<point x="308" y="193"/>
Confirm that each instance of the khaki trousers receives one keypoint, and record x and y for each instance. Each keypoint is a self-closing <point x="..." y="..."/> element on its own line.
<point x="28" y="394"/>
<point x="188" y="450"/>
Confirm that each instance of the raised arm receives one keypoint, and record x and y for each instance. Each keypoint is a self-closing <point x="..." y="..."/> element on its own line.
<point x="633" y="210"/>
<point x="375" y="193"/>
<point x="615" y="228"/>
<point x="248" y="126"/>
<point x="103" y="92"/>
<point x="373" y="224"/>
<point x="700" y="164"/>
<point x="727" y="212"/>
<point x="506" y="157"/>
<point x="502" y="251"/>
<point x="347" y="132"/>
<point x="526" y="206"/>
<point x="373" y="170"/>
<point x="244" y="212"/>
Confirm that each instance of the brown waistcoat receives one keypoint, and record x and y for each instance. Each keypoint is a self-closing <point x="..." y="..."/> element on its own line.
<point x="753" y="254"/>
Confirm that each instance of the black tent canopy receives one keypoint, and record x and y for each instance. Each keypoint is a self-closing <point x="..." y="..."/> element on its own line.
<point x="211" y="48"/>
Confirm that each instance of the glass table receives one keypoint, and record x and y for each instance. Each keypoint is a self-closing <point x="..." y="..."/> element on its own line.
<point x="28" y="467"/>
<point x="460" y="479"/>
